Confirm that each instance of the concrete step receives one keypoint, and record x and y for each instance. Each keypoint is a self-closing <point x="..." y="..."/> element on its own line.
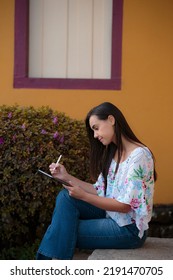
<point x="82" y="254"/>
<point x="154" y="249"/>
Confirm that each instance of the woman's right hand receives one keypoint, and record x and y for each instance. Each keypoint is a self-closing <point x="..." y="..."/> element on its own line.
<point x="58" y="171"/>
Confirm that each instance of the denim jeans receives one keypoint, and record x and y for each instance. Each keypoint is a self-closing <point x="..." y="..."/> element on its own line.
<point x="77" y="224"/>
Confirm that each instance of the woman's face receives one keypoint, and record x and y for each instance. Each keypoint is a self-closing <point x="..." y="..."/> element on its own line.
<point x="103" y="129"/>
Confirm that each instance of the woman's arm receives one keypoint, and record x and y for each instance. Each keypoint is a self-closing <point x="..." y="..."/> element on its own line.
<point x="108" y="204"/>
<point x="59" y="171"/>
<point x="86" y="192"/>
<point x="87" y="187"/>
<point x="105" y="203"/>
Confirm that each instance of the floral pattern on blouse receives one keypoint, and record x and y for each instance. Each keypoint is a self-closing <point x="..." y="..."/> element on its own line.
<point x="134" y="185"/>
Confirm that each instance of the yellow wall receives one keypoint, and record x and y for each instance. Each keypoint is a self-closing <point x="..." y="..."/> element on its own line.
<point x="146" y="97"/>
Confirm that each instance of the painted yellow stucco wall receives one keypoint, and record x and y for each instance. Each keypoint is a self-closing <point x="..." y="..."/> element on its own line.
<point x="146" y="97"/>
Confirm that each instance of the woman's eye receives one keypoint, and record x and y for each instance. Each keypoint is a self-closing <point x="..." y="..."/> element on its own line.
<point x="95" y="128"/>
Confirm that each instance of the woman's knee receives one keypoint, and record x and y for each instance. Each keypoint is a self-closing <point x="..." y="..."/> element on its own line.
<point x="61" y="199"/>
<point x="63" y="193"/>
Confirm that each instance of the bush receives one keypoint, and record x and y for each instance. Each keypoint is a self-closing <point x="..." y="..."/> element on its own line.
<point x="30" y="139"/>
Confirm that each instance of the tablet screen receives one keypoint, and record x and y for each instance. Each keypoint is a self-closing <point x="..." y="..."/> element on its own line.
<point x="56" y="179"/>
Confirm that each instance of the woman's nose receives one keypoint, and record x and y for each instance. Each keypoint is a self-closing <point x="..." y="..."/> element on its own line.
<point x="95" y="134"/>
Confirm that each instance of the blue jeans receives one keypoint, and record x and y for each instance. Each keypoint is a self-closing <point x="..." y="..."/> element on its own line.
<point x="77" y="224"/>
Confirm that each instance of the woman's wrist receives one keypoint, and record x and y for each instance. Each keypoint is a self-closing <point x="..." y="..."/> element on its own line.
<point x="68" y="177"/>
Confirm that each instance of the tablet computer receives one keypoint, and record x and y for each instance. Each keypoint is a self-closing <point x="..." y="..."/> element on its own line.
<point x="56" y="179"/>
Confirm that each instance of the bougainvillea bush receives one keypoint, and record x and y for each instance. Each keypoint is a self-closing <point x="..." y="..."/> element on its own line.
<point x="33" y="138"/>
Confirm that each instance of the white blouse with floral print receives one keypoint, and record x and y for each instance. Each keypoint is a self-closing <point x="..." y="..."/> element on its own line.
<point x="134" y="185"/>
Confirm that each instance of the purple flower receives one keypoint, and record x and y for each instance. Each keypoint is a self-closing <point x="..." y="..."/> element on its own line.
<point x="61" y="140"/>
<point x="55" y="120"/>
<point x="10" y="115"/>
<point x="43" y="131"/>
<point x="2" y="140"/>
<point x="56" y="135"/>
<point x="14" y="137"/>
<point x="23" y="126"/>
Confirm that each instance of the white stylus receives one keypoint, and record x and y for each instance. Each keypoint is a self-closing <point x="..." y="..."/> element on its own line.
<point x="58" y="160"/>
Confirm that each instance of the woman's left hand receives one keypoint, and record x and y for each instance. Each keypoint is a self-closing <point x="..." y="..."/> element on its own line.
<point x="75" y="191"/>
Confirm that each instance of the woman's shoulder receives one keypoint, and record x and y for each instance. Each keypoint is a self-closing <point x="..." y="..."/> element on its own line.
<point x="141" y="152"/>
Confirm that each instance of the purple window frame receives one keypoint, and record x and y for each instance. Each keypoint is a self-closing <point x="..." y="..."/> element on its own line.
<point x="21" y="79"/>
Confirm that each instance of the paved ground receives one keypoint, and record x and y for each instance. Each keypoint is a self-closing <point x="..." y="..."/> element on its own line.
<point x="153" y="249"/>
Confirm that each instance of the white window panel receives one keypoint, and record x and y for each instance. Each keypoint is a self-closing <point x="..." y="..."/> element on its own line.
<point x="70" y="38"/>
<point x="55" y="38"/>
<point x="35" y="38"/>
<point x="102" y="30"/>
<point x="80" y="39"/>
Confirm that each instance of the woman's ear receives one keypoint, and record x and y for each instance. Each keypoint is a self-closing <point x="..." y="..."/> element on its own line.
<point x="111" y="119"/>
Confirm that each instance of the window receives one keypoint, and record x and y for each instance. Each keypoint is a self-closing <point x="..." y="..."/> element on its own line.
<point x="27" y="75"/>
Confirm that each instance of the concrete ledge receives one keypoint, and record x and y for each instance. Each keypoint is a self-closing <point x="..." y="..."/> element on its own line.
<point x="153" y="249"/>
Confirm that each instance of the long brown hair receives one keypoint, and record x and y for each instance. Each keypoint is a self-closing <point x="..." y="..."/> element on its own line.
<point x="100" y="155"/>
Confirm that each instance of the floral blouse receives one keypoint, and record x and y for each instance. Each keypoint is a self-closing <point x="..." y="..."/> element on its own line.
<point x="134" y="185"/>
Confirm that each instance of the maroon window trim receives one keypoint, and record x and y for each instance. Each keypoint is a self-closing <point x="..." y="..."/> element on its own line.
<point x="21" y="79"/>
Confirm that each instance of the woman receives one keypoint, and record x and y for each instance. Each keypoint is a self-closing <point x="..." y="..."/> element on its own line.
<point x="115" y="211"/>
